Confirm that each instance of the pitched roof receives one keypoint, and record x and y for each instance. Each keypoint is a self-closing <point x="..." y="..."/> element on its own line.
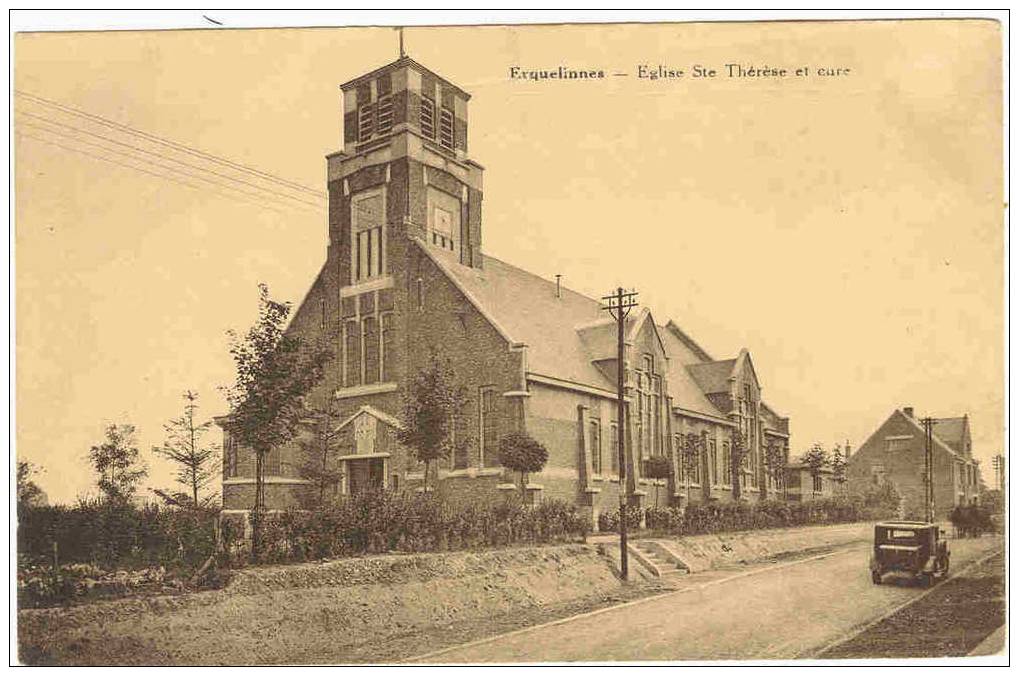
<point x="566" y="335"/>
<point x="951" y="430"/>
<point x="713" y="377"/>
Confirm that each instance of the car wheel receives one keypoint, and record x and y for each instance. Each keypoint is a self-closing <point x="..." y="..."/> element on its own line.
<point x="875" y="577"/>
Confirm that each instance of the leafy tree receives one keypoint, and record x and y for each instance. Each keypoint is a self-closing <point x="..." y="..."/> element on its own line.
<point x="691" y="447"/>
<point x="519" y="452"/>
<point x="658" y="468"/>
<point x="117" y="463"/>
<point x="737" y="454"/>
<point x="317" y="449"/>
<point x="774" y="466"/>
<point x="433" y="404"/>
<point x="816" y="459"/>
<point x="29" y="493"/>
<point x="184" y="448"/>
<point x="275" y="371"/>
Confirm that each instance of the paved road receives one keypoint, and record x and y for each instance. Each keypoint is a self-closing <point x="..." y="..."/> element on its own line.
<point x="774" y="612"/>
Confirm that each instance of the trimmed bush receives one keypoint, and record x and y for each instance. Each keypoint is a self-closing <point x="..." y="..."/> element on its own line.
<point x="609" y="519"/>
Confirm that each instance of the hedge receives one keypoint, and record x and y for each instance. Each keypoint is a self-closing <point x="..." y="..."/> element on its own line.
<point x="382" y="521"/>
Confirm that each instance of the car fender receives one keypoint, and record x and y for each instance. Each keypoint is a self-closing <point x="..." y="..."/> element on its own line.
<point x="930" y="565"/>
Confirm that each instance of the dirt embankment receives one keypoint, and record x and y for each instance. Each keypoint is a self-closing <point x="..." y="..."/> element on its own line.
<point x="338" y="611"/>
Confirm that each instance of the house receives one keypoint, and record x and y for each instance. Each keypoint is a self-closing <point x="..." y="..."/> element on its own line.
<point x="895" y="453"/>
<point x="804" y="484"/>
<point x="406" y="280"/>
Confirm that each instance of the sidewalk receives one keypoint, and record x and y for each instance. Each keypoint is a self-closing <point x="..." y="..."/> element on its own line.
<point x="993" y="644"/>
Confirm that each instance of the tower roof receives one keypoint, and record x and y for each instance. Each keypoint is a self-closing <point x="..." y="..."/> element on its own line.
<point x="396" y="64"/>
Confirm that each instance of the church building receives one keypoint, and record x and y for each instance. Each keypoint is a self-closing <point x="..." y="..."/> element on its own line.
<point x="406" y="279"/>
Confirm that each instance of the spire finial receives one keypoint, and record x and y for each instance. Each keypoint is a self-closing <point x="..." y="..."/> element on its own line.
<point x="399" y="30"/>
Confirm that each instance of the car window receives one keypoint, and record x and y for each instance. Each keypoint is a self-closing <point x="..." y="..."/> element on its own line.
<point x="899" y="534"/>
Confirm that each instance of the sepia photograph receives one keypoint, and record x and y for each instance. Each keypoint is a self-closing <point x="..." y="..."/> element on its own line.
<point x="449" y="340"/>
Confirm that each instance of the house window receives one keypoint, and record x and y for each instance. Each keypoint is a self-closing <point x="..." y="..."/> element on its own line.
<point x="364" y="122"/>
<point x="427" y="118"/>
<point x="229" y="457"/>
<point x="352" y="347"/>
<point x="726" y="463"/>
<point x="897" y="444"/>
<point x="596" y="446"/>
<point x="370" y="331"/>
<point x="367" y="259"/>
<point x="446" y="128"/>
<point x="489" y="424"/>
<point x="818" y="483"/>
<point x="384" y="116"/>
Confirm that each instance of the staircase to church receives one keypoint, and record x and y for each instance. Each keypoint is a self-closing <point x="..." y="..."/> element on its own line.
<point x="659" y="561"/>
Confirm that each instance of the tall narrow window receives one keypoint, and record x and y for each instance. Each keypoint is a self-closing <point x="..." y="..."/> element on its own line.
<point x="366" y="240"/>
<point x="273" y="463"/>
<point x="229" y="457"/>
<point x="446" y="128"/>
<point x="421" y="295"/>
<point x="352" y="346"/>
<point x="677" y="441"/>
<point x="384" y="115"/>
<point x="364" y="122"/>
<point x="595" y="434"/>
<point x="323" y="303"/>
<point x="427" y="119"/>
<point x="713" y="459"/>
<point x="371" y="350"/>
<point x="726" y="464"/>
<point x="387" y="358"/>
<point x="614" y="448"/>
<point x="489" y="424"/>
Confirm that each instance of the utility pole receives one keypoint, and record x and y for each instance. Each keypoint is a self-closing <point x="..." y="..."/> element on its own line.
<point x="928" y="425"/>
<point x="619" y="305"/>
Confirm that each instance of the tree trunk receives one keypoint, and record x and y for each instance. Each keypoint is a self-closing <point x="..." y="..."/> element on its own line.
<point x="259" y="509"/>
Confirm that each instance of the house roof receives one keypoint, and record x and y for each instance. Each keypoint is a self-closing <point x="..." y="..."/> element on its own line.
<point x="566" y="335"/>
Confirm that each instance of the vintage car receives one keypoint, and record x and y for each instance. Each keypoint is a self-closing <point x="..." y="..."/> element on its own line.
<point x="915" y="548"/>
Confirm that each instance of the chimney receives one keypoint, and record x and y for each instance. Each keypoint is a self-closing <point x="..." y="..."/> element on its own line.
<point x="908" y="411"/>
<point x="558" y="286"/>
<point x="849" y="451"/>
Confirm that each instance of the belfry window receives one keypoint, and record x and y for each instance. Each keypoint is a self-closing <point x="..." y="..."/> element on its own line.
<point x="367" y="248"/>
<point x="446" y="128"/>
<point x="364" y="122"/>
<point x="384" y="115"/>
<point x="427" y="118"/>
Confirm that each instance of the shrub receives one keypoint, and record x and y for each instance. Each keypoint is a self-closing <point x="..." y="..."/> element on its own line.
<point x="609" y="519"/>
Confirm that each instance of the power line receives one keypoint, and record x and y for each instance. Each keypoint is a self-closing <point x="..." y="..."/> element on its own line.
<point x="144" y="171"/>
<point x="166" y="167"/>
<point x="164" y="157"/>
<point x="169" y="143"/>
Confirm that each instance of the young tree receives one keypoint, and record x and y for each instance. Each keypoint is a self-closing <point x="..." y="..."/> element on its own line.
<point x="519" y="452"/>
<point x="317" y="449"/>
<point x="774" y="466"/>
<point x="816" y="459"/>
<point x="275" y="371"/>
<point x="737" y="453"/>
<point x="184" y="448"/>
<point x="838" y="465"/>
<point x="29" y="493"/>
<point x="658" y="468"/>
<point x="432" y="406"/>
<point x="691" y="447"/>
<point x="117" y="463"/>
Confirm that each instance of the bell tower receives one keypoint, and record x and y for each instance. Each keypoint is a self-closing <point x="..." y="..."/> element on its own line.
<point x="403" y="174"/>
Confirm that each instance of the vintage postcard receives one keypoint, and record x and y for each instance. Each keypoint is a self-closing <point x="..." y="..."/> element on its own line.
<point x="510" y="343"/>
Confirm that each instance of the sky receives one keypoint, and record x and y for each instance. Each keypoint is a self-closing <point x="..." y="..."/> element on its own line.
<point x="847" y="230"/>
